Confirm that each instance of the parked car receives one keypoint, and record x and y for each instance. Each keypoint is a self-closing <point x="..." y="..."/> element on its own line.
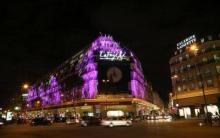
<point x="167" y="117"/>
<point x="87" y="121"/>
<point x="21" y="121"/>
<point x="59" y="119"/>
<point x="116" y="121"/>
<point x="40" y="121"/>
<point x="152" y="117"/>
<point x="137" y="119"/>
<point x="72" y="120"/>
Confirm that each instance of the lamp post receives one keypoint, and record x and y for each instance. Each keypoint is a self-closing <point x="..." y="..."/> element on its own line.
<point x="24" y="89"/>
<point x="105" y="82"/>
<point x="25" y="86"/>
<point x="194" y="48"/>
<point x="174" y="77"/>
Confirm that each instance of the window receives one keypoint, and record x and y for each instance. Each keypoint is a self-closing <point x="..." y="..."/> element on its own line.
<point x="207" y="73"/>
<point x="219" y="78"/>
<point x="176" y="69"/>
<point x="202" y="40"/>
<point x="214" y="46"/>
<point x="179" y="89"/>
<point x="181" y="113"/>
<point x="172" y="70"/>
<point x="216" y="58"/>
<point x="183" y="79"/>
<point x="186" y="112"/>
<point x="209" y="37"/>
<point x="175" y="53"/>
<point x="209" y="83"/>
<point x="190" y="78"/>
<point x="180" y="59"/>
<point x="184" y="88"/>
<point x="188" y="66"/>
<point x="200" y="84"/>
<point x="178" y="80"/>
<point x="204" y="60"/>
<point x="181" y="69"/>
<point x="176" y="60"/>
<point x="192" y="86"/>
<point x="213" y="109"/>
<point x="218" y="69"/>
<point x="197" y="111"/>
<point x="198" y="75"/>
<point x="184" y="68"/>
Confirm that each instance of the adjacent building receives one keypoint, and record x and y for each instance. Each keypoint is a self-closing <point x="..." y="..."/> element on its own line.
<point x="104" y="76"/>
<point x="153" y="96"/>
<point x="195" y="74"/>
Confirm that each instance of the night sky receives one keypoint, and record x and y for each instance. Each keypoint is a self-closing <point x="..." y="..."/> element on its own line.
<point x="38" y="36"/>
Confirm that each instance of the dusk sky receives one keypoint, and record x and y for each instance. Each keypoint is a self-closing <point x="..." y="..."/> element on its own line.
<point x="38" y="36"/>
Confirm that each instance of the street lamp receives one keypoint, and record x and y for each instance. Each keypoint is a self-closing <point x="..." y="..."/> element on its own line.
<point x="105" y="82"/>
<point x="25" y="86"/>
<point x="24" y="91"/>
<point x="177" y="105"/>
<point x="174" y="87"/>
<point x="38" y="103"/>
<point x="194" y="49"/>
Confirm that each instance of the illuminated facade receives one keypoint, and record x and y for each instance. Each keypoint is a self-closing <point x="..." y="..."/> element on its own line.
<point x="191" y="71"/>
<point x="101" y="77"/>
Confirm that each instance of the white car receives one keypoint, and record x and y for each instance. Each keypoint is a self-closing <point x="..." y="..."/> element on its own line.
<point x="111" y="122"/>
<point x="72" y="120"/>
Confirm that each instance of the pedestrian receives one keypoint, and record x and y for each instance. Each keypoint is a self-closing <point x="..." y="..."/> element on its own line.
<point x="209" y="118"/>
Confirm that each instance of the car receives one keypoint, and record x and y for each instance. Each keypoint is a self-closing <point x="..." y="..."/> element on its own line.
<point x="167" y="117"/>
<point x="72" y="120"/>
<point x="116" y="121"/>
<point x="21" y="121"/>
<point x="136" y="119"/>
<point x="152" y="117"/>
<point x="59" y="119"/>
<point x="87" y="121"/>
<point x="40" y="121"/>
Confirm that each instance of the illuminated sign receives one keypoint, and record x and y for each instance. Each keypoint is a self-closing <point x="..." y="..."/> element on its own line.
<point x="186" y="42"/>
<point x="112" y="56"/>
<point x="9" y="116"/>
<point x="116" y="113"/>
<point x="24" y="95"/>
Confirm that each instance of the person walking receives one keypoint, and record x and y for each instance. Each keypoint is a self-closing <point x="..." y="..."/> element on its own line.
<point x="209" y="118"/>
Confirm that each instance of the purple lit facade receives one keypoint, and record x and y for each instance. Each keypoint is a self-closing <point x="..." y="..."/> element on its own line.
<point x="49" y="92"/>
<point x="46" y="94"/>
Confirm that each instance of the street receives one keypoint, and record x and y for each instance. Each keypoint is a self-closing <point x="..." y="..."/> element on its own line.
<point x="180" y="129"/>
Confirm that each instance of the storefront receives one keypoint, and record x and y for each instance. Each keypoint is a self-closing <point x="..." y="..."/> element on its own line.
<point x="97" y="107"/>
<point x="195" y="111"/>
<point x="185" y="112"/>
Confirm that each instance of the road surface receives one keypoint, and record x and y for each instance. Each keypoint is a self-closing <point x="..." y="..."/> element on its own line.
<point x="176" y="129"/>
